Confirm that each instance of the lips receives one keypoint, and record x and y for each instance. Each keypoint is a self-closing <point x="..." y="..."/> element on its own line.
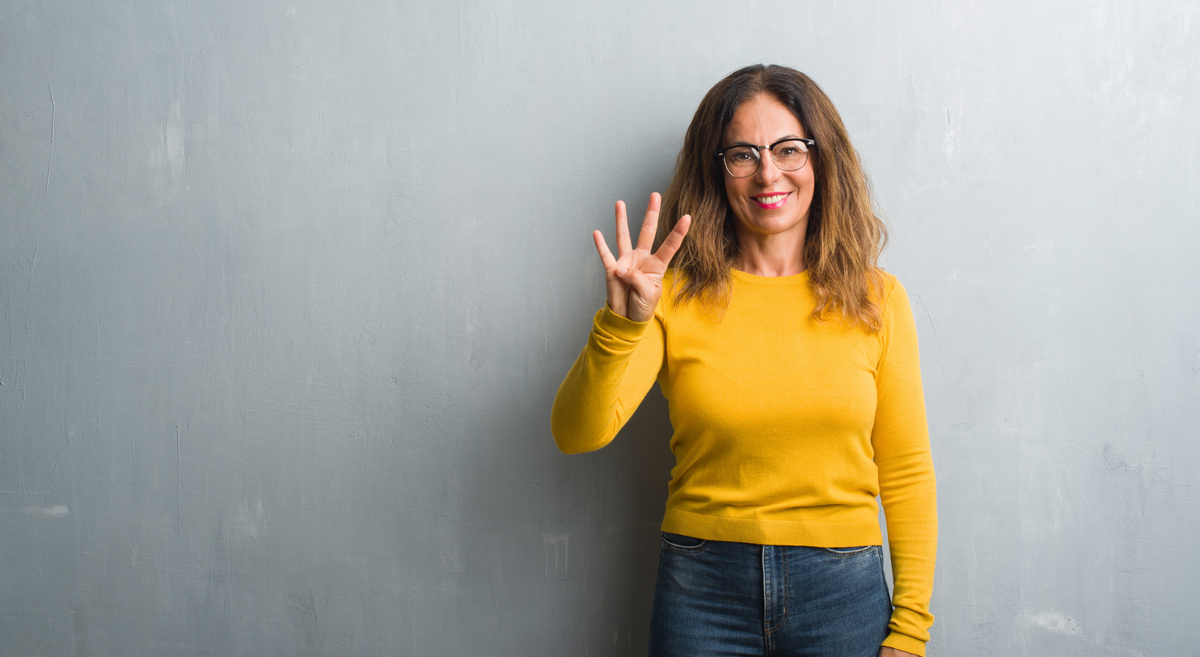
<point x="771" y="201"/>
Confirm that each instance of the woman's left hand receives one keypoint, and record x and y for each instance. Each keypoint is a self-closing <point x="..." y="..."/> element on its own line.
<point x="892" y="652"/>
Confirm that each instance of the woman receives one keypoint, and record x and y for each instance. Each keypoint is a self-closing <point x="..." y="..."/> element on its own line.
<point x="789" y="361"/>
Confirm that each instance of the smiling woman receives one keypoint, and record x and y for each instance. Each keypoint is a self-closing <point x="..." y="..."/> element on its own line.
<point x="770" y="204"/>
<point x="843" y="237"/>
<point x="790" y="363"/>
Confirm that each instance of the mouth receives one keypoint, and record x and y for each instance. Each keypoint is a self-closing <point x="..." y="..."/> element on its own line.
<point x="771" y="201"/>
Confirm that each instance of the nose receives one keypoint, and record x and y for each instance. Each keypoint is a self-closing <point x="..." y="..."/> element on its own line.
<point x="767" y="172"/>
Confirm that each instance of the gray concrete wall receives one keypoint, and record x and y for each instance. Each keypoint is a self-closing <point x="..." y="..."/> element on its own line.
<point x="286" y="290"/>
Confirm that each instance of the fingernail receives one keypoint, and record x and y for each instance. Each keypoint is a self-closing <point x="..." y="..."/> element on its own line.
<point x="622" y="270"/>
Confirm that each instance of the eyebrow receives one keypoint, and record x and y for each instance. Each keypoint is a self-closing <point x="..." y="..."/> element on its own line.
<point x="772" y="144"/>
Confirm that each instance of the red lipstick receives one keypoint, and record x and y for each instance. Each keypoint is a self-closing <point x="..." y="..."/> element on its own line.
<point x="771" y="200"/>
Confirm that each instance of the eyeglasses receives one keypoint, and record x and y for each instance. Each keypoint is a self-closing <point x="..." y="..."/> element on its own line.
<point x="743" y="160"/>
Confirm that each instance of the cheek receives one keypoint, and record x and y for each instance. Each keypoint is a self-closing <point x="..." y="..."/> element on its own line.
<point x="735" y="198"/>
<point x="805" y="183"/>
<point x="731" y="188"/>
<point x="735" y="194"/>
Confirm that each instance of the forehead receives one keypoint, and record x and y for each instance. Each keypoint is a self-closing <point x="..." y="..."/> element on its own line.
<point x="763" y="120"/>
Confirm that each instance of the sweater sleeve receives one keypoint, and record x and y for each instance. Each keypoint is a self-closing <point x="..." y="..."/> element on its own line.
<point x="906" y="481"/>
<point x="607" y="382"/>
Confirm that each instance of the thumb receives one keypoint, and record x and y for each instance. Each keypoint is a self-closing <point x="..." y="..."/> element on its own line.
<point x="645" y="288"/>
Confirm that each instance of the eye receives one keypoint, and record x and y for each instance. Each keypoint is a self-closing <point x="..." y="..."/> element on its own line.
<point x="740" y="156"/>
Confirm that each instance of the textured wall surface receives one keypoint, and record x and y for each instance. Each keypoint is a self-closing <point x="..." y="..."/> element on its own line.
<point x="286" y="289"/>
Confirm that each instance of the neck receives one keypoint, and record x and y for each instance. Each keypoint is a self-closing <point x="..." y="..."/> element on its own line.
<point x="763" y="256"/>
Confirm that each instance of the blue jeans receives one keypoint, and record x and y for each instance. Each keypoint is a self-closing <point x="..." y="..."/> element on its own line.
<point x="715" y="598"/>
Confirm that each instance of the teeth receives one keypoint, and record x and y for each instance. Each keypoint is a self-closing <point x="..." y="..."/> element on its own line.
<point x="771" y="199"/>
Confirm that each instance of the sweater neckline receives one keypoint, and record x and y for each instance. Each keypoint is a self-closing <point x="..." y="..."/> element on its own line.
<point x="754" y="279"/>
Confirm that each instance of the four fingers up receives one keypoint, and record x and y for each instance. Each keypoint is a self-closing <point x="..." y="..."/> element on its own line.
<point x="634" y="276"/>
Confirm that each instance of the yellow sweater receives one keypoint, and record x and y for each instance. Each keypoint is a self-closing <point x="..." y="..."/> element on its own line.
<point x="785" y="429"/>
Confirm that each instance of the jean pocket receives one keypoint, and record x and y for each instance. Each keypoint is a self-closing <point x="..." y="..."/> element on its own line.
<point x="849" y="551"/>
<point x="681" y="543"/>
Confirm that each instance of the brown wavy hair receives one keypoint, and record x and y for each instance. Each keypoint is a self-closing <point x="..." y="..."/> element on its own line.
<point x="844" y="237"/>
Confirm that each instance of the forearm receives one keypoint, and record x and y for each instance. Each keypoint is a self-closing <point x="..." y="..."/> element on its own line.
<point x="606" y="383"/>
<point x="910" y="508"/>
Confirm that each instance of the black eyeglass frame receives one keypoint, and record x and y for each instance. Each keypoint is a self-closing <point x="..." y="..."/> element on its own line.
<point x="720" y="155"/>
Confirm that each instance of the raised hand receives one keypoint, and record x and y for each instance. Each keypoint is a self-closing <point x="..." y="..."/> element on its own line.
<point x="634" y="276"/>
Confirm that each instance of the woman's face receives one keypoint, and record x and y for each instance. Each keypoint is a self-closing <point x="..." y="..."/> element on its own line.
<point x="771" y="204"/>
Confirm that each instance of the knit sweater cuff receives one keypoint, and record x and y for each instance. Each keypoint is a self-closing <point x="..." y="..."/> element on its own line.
<point x="905" y="643"/>
<point x="615" y="331"/>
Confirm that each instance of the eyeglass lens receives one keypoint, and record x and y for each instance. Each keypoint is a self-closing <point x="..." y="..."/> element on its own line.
<point x="742" y="161"/>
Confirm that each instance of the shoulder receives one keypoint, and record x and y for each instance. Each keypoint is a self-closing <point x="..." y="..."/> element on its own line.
<point x="889" y="291"/>
<point x="888" y="282"/>
<point x="671" y="278"/>
<point x="673" y="281"/>
<point x="674" y="300"/>
<point x="894" y="305"/>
